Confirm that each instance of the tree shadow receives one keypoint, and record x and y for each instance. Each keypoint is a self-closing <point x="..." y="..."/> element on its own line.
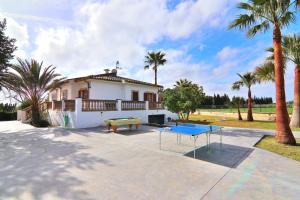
<point x="226" y="155"/>
<point x="31" y="162"/>
<point x="238" y="132"/>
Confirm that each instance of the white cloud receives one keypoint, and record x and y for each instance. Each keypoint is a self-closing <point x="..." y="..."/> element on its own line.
<point x="120" y="30"/>
<point x="227" y="53"/>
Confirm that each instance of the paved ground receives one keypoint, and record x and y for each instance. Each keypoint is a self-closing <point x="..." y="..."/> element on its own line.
<point x="92" y="164"/>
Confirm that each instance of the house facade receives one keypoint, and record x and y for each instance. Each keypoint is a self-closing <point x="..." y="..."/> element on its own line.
<point x="90" y="100"/>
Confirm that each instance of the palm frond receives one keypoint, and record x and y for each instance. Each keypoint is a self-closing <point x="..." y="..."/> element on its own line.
<point x="263" y="27"/>
<point x="265" y="72"/>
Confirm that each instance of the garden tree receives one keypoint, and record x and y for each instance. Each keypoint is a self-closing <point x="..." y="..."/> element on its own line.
<point x="7" y="48"/>
<point x="184" y="98"/>
<point x="207" y="101"/>
<point x="260" y="16"/>
<point x="32" y="81"/>
<point x="248" y="79"/>
<point x="262" y="100"/>
<point x="236" y="102"/>
<point x="155" y="59"/>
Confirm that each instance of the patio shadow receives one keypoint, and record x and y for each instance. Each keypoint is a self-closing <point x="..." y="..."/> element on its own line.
<point x="228" y="156"/>
<point x="35" y="165"/>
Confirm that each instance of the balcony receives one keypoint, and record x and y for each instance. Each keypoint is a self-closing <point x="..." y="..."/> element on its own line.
<point x="95" y="105"/>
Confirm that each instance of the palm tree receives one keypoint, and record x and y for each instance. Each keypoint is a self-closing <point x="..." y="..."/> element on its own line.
<point x="291" y="51"/>
<point x="236" y="101"/>
<point x="32" y="81"/>
<point x="155" y="59"/>
<point x="248" y="79"/>
<point x="183" y="83"/>
<point x="260" y="16"/>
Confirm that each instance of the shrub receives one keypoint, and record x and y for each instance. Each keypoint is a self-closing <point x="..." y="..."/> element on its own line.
<point x="8" y="116"/>
<point x="43" y="123"/>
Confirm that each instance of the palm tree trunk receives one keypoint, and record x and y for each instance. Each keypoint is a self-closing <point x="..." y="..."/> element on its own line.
<point x="249" y="115"/>
<point x="155" y="75"/>
<point x="295" y="120"/>
<point x="283" y="131"/>
<point x="35" y="114"/>
<point x="239" y="113"/>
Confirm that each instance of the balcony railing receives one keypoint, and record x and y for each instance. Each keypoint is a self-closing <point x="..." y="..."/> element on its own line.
<point x="155" y="106"/>
<point x="69" y="105"/>
<point x="133" y="105"/>
<point x="99" y="105"/>
<point x="57" y="105"/>
<point x="90" y="105"/>
<point x="45" y="106"/>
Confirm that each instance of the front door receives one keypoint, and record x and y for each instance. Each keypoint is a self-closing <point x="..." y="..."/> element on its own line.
<point x="83" y="93"/>
<point x="151" y="97"/>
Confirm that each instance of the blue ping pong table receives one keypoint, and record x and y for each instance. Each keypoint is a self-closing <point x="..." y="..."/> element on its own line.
<point x="193" y="130"/>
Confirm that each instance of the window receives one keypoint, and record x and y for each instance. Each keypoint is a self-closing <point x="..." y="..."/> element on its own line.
<point x="160" y="98"/>
<point x="135" y="96"/>
<point x="83" y="93"/>
<point x="53" y="96"/>
<point x="151" y="97"/>
<point x="65" y="94"/>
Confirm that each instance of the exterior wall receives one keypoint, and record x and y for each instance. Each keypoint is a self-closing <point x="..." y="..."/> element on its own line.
<point x="79" y="119"/>
<point x="141" y="89"/>
<point x="93" y="119"/>
<point x="72" y="88"/>
<point x="56" y="118"/>
<point x="106" y="90"/>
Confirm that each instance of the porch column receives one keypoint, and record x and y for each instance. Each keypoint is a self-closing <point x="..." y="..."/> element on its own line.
<point x="119" y="105"/>
<point x="78" y="105"/>
<point x="78" y="112"/>
<point x="147" y="105"/>
<point x="63" y="105"/>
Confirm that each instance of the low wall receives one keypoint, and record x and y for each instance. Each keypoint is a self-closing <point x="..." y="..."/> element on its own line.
<point x="256" y="116"/>
<point x="93" y="119"/>
<point x="56" y="118"/>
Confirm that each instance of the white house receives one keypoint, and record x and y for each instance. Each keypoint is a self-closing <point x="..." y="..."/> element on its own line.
<point x="88" y="101"/>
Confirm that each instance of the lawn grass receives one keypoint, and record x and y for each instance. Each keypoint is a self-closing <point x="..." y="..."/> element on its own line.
<point x="244" y="110"/>
<point x="232" y="122"/>
<point x="268" y="143"/>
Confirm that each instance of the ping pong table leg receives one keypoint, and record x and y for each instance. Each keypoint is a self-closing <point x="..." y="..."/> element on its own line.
<point x="194" y="146"/>
<point x="221" y="135"/>
<point x="209" y="139"/>
<point x="159" y="140"/>
<point x="206" y="140"/>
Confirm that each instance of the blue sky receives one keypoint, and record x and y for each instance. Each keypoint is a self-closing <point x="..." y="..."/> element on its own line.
<point x="82" y="37"/>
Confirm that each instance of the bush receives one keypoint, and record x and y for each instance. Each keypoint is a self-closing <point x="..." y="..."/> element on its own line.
<point x="7" y="107"/>
<point x="43" y="123"/>
<point x="8" y="116"/>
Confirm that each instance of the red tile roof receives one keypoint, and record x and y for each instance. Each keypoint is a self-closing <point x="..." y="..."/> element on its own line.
<point x="113" y="77"/>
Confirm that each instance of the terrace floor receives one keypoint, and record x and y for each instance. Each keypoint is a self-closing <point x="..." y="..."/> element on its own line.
<point x="88" y="164"/>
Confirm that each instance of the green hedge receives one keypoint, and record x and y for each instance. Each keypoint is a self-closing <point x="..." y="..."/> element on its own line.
<point x="8" y="116"/>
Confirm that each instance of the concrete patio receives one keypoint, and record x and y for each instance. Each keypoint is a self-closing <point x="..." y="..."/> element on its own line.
<point x="89" y="164"/>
